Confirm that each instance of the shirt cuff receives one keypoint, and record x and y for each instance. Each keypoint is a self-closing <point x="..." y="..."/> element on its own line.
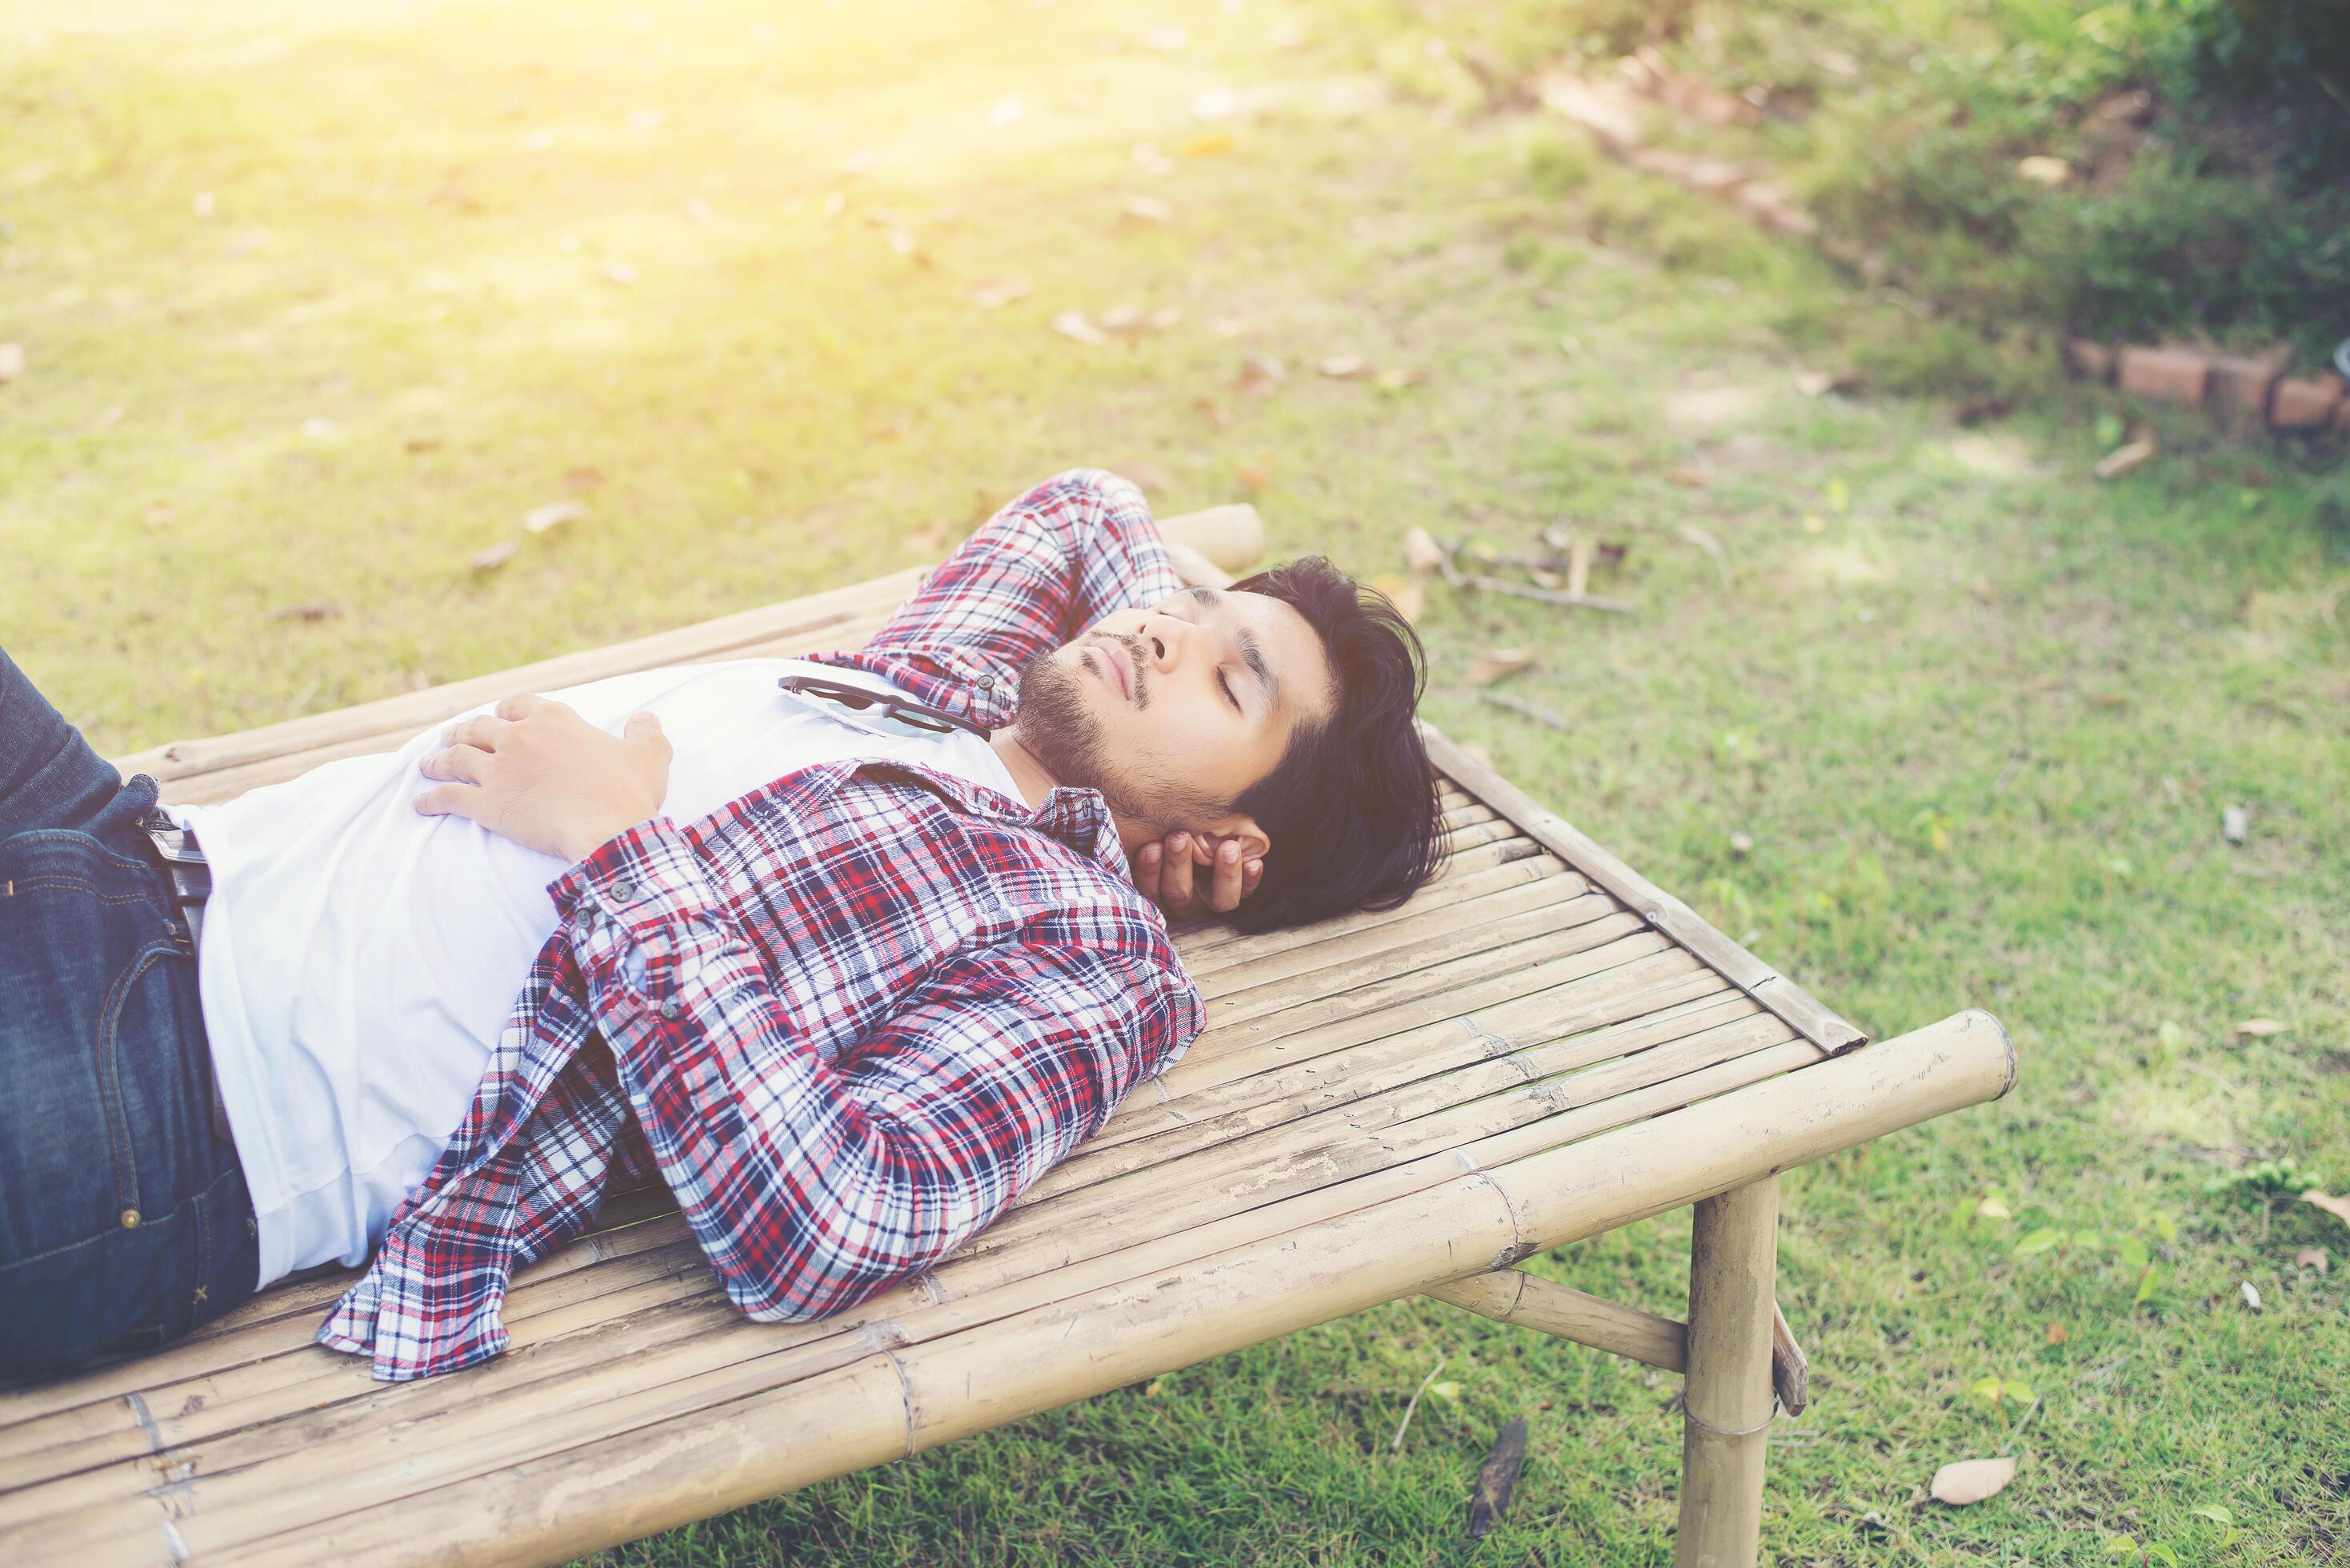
<point x="630" y="900"/>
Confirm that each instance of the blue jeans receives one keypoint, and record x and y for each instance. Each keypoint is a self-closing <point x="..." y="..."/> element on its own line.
<point x="124" y="1219"/>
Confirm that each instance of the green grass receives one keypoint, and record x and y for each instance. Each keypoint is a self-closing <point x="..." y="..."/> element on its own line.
<point x="1978" y="714"/>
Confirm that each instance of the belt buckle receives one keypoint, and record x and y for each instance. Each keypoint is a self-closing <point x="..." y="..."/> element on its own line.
<point x="192" y="876"/>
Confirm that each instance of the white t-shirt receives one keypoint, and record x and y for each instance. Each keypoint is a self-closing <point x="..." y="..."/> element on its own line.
<point x="358" y="959"/>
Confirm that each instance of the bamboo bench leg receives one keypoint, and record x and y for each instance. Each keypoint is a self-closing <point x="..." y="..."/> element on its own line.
<point x="1725" y="1432"/>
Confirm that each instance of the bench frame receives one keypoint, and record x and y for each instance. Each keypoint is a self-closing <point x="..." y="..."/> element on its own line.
<point x="887" y="1391"/>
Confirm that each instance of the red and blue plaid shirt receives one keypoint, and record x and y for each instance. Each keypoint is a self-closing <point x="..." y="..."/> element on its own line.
<point x="847" y="1016"/>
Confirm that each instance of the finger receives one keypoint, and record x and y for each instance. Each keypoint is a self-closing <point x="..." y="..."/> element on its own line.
<point x="644" y="728"/>
<point x="1146" y="870"/>
<point x="522" y="705"/>
<point x="1224" y="896"/>
<point x="1175" y="883"/>
<point x="481" y="730"/>
<point x="449" y="800"/>
<point x="466" y="764"/>
<point x="1255" y="874"/>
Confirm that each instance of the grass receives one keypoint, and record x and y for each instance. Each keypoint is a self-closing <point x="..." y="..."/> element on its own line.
<point x="317" y="300"/>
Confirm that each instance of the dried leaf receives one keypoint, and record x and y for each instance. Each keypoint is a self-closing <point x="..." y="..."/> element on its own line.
<point x="1495" y="663"/>
<point x="1123" y="318"/>
<point x="1742" y="845"/>
<point x="1820" y="383"/>
<point x="1396" y="380"/>
<point x="312" y="609"/>
<point x="2259" y="1028"/>
<point x="2313" y="1257"/>
<point x="12" y="361"/>
<point x="2337" y="1207"/>
<point x="1149" y="208"/>
<point x="497" y="555"/>
<point x="1211" y="411"/>
<point x="583" y="479"/>
<point x="1212" y="144"/>
<point x="1216" y="103"/>
<point x="997" y="296"/>
<point x="1993" y="1208"/>
<point x="2235" y="823"/>
<point x="2056" y="1333"/>
<point x="2042" y="169"/>
<point x="1971" y="1481"/>
<point x="2251" y="1296"/>
<point x="1255" y="475"/>
<point x="1422" y="552"/>
<point x="539" y="519"/>
<point x="1446" y="1390"/>
<point x="2123" y="458"/>
<point x="1260" y="373"/>
<point x="1074" y="324"/>
<point x="1345" y="368"/>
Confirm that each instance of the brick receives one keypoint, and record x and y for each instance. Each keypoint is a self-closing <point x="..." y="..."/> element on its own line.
<point x="2089" y="357"/>
<point x="2306" y="402"/>
<point x="2165" y="375"/>
<point x="2239" y="389"/>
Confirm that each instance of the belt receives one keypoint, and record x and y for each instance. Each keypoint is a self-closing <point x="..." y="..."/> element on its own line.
<point x="191" y="884"/>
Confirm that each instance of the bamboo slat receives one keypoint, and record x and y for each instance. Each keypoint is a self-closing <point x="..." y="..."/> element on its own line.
<point x="1658" y="907"/>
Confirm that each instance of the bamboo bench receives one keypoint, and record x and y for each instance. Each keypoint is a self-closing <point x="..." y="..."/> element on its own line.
<point x="1541" y="1046"/>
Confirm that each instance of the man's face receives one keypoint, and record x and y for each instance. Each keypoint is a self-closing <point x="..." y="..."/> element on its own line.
<point x="1173" y="712"/>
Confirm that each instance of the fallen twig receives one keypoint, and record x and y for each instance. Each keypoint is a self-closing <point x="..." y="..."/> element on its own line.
<point x="1543" y="595"/>
<point x="1539" y="715"/>
<point x="1408" y="1409"/>
<point x="1705" y="541"/>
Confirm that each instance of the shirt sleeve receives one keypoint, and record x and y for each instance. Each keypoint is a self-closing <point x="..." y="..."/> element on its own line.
<point x="812" y="1186"/>
<point x="1040" y="571"/>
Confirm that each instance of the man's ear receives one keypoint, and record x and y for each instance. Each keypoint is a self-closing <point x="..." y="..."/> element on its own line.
<point x="1253" y="840"/>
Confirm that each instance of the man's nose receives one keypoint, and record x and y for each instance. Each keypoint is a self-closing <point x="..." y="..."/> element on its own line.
<point x="1163" y="641"/>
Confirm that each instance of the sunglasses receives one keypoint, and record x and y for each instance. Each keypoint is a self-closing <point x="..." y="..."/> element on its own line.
<point x="905" y="711"/>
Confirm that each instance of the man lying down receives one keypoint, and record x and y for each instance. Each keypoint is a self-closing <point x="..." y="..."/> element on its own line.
<point x="850" y="950"/>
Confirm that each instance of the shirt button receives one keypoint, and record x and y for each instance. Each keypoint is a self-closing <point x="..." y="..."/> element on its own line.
<point x="624" y="890"/>
<point x="987" y="684"/>
<point x="671" y="1008"/>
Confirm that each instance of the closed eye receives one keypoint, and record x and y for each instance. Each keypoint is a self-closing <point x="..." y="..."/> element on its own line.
<point x="1202" y="599"/>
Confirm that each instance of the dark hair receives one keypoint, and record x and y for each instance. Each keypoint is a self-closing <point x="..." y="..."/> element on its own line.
<point x="1353" y="808"/>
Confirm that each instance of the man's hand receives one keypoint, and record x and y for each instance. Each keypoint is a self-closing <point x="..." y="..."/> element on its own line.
<point x="538" y="773"/>
<point x="1168" y="874"/>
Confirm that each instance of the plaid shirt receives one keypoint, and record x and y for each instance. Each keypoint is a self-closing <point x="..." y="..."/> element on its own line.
<point x="847" y="1016"/>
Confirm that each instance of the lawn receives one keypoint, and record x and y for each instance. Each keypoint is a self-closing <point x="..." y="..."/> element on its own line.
<point x="317" y="300"/>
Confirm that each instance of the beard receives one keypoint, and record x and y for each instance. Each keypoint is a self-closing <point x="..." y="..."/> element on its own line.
<point x="1065" y="735"/>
